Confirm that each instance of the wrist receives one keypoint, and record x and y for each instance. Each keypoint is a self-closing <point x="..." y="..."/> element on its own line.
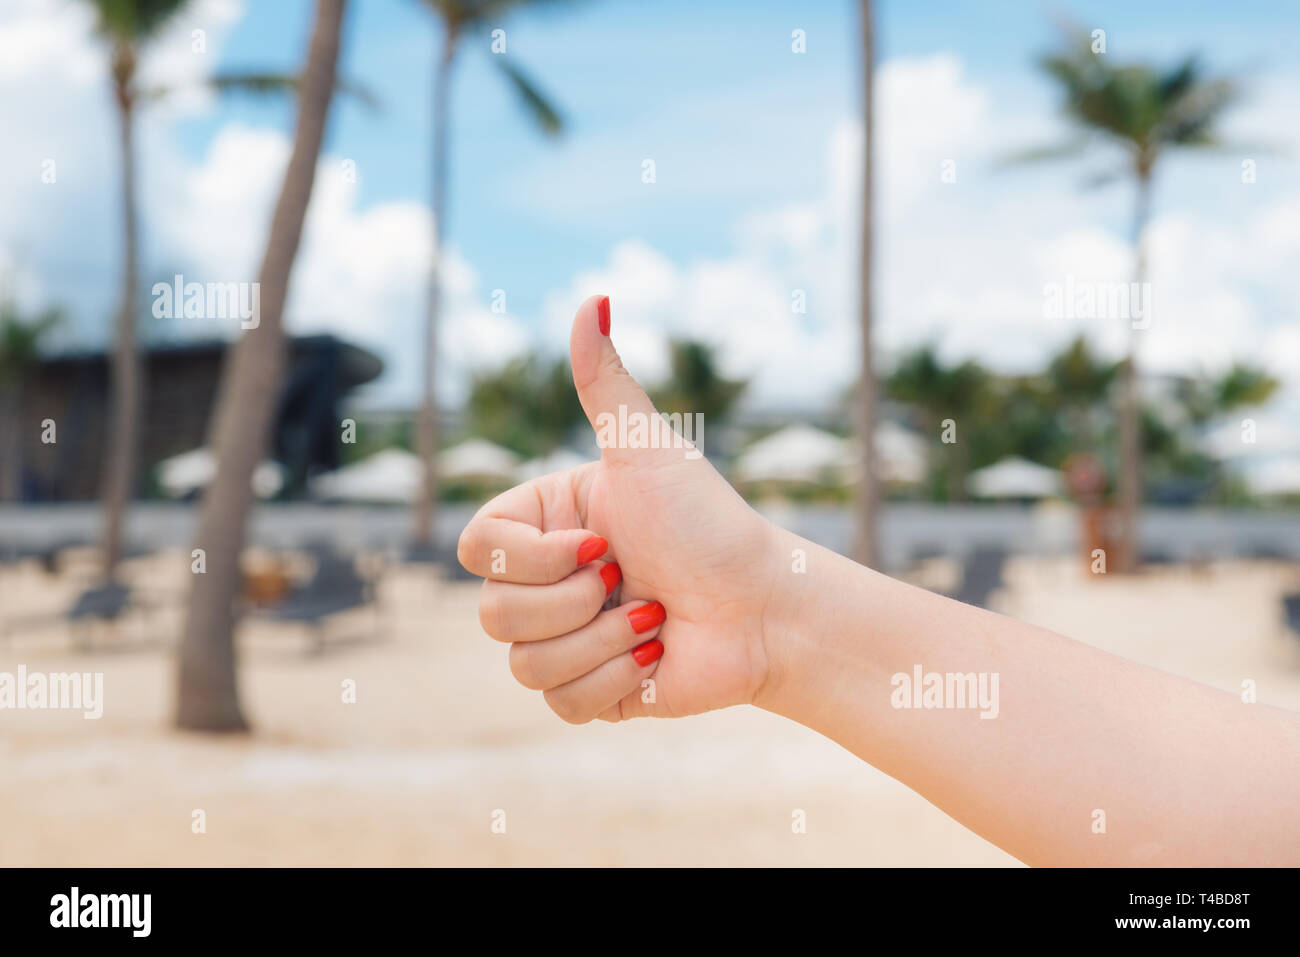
<point x="799" y="621"/>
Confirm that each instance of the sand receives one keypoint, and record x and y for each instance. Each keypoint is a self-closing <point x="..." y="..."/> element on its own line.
<point x="442" y="748"/>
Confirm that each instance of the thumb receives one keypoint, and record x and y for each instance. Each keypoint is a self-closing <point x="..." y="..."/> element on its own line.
<point x="628" y="429"/>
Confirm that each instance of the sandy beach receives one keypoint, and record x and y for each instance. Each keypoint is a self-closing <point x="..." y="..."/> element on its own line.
<point x="444" y="760"/>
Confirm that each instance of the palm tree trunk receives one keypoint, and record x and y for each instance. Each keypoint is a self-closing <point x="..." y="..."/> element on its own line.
<point x="207" y="693"/>
<point x="957" y="461"/>
<point x="1130" y="422"/>
<point x="865" y="540"/>
<point x="427" y="438"/>
<point x="127" y="370"/>
<point x="11" y="441"/>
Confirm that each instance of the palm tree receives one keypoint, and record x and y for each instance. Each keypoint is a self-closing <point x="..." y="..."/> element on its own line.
<point x="458" y="17"/>
<point x="207" y="694"/>
<point x="1145" y="112"/>
<point x="866" y="545"/>
<point x="20" y="341"/>
<point x="529" y="405"/>
<point x="1206" y="397"/>
<point x="1080" y="383"/>
<point x="942" y="392"/>
<point x="126" y="25"/>
<point x="694" y="384"/>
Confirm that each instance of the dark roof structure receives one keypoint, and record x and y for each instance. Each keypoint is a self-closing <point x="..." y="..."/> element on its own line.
<point x="72" y="389"/>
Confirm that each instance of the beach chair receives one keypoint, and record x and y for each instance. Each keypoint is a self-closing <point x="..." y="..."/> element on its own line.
<point x="981" y="575"/>
<point x="1265" y="551"/>
<point x="103" y="603"/>
<point x="441" y="560"/>
<point x="334" y="587"/>
<point x="1291" y="611"/>
<point x="1156" y="556"/>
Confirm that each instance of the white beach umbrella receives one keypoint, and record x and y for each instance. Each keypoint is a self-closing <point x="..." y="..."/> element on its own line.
<point x="392" y="475"/>
<point x="478" y="459"/>
<point x="557" y="461"/>
<point x="900" y="453"/>
<point x="801" y="453"/>
<point x="1276" y="477"/>
<point x="192" y="471"/>
<point x="1015" y="478"/>
<point x="797" y="453"/>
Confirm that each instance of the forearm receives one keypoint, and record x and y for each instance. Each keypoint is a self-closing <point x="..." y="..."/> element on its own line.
<point x="1183" y="774"/>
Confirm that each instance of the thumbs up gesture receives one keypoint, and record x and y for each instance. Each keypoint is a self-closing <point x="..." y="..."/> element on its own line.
<point x="650" y="528"/>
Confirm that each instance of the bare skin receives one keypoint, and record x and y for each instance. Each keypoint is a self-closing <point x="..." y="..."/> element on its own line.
<point x="1184" y="774"/>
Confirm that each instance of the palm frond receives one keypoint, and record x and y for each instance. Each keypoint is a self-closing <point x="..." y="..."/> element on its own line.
<point x="278" y="84"/>
<point x="1136" y="106"/>
<point x="1069" y="149"/>
<point x="477" y="13"/>
<point x="1099" y="178"/>
<point x="1192" y="115"/>
<point x="133" y="20"/>
<point x="533" y="99"/>
<point x="20" y="339"/>
<point x="1174" y="83"/>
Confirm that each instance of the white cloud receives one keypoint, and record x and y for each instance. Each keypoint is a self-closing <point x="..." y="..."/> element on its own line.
<point x="961" y="264"/>
<point x="360" y="273"/>
<point x="59" y="118"/>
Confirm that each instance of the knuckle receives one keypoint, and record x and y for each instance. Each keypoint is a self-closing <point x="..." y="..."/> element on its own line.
<point x="492" y="611"/>
<point x="565" y="707"/>
<point x="553" y="566"/>
<point x="467" y="547"/>
<point x="612" y="364"/>
<point x="524" y="666"/>
<point x="594" y="593"/>
<point x="613" y="632"/>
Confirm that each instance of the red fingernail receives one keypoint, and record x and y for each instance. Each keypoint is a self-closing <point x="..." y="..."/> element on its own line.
<point x="646" y="617"/>
<point x="611" y="575"/>
<point x="649" y="652"/>
<point x="602" y="309"/>
<point x="593" y="547"/>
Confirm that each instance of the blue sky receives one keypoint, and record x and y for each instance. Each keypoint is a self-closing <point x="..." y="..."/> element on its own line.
<point x="756" y="159"/>
<point x="713" y="82"/>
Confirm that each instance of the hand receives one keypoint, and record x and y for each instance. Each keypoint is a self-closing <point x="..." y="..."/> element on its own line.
<point x="679" y="535"/>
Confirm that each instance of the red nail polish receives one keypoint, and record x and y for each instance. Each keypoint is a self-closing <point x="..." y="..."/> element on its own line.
<point x="593" y="547"/>
<point x="646" y="617"/>
<point x="611" y="575"/>
<point x="648" y="653"/>
<point x="602" y="310"/>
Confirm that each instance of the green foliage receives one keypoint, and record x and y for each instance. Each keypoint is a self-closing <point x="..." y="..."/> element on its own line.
<point x="130" y="21"/>
<point x="1047" y="416"/>
<point x="694" y="384"/>
<point x="961" y="393"/>
<point x="1078" y="377"/>
<point x="1141" y="108"/>
<point x="462" y="16"/>
<point x="921" y="380"/>
<point x="1076" y="389"/>
<point x="20" y="340"/>
<point x="529" y="406"/>
<point x="1243" y="385"/>
<point x="468" y="14"/>
<point x="264" y="84"/>
<point x="1205" y="397"/>
<point x="1019" y="418"/>
<point x="535" y="103"/>
<point x="375" y="436"/>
